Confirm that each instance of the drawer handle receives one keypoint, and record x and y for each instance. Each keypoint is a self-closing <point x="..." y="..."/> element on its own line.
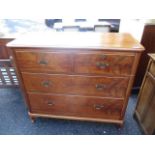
<point x="103" y="56"/>
<point x="99" y="107"/>
<point x="46" y="83"/>
<point x="43" y="62"/>
<point x="100" y="86"/>
<point x="102" y="65"/>
<point x="50" y="103"/>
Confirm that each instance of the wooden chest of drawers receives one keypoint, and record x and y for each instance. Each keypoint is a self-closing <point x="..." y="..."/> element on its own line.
<point x="145" y="110"/>
<point x="83" y="76"/>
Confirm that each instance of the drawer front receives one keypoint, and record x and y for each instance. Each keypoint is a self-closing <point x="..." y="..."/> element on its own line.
<point x="71" y="105"/>
<point x="44" y="62"/>
<point x="152" y="68"/>
<point x="110" y="64"/>
<point x="73" y="84"/>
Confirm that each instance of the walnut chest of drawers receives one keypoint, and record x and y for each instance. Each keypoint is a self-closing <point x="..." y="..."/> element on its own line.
<point x="80" y="76"/>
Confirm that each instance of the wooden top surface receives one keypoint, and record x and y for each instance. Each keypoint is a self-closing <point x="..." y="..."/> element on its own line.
<point x="152" y="56"/>
<point x="86" y="40"/>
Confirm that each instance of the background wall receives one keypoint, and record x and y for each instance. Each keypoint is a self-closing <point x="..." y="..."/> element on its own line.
<point x="134" y="26"/>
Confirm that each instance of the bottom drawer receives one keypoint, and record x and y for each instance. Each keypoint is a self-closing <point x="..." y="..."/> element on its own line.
<point x="78" y="106"/>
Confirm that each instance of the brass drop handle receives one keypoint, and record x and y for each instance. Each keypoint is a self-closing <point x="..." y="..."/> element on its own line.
<point x="103" y="56"/>
<point x="98" y="106"/>
<point x="43" y="62"/>
<point x="102" y="65"/>
<point x="46" y="83"/>
<point x="50" y="103"/>
<point x="100" y="86"/>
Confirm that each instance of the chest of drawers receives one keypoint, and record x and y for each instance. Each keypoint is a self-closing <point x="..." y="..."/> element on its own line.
<point x="81" y="76"/>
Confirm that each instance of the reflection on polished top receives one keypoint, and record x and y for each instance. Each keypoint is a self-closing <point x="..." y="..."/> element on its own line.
<point x="87" y="40"/>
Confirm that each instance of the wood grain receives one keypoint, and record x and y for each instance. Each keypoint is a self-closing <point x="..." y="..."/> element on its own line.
<point x="75" y="62"/>
<point x="82" y="76"/>
<point x="4" y="51"/>
<point x="79" y="40"/>
<point x="44" y="61"/>
<point x="74" y="105"/>
<point x="73" y="84"/>
<point x="111" y="63"/>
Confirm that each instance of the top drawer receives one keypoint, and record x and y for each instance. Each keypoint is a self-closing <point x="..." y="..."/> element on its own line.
<point x="44" y="61"/>
<point x="75" y="61"/>
<point x="108" y="63"/>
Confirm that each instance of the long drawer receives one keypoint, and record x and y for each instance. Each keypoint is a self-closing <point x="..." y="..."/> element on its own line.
<point x="71" y="105"/>
<point x="84" y="62"/>
<point x="74" y="84"/>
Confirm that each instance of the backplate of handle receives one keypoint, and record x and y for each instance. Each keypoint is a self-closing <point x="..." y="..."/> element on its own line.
<point x="100" y="86"/>
<point x="98" y="106"/>
<point x="103" y="56"/>
<point x="50" y="103"/>
<point x="102" y="65"/>
<point x="43" y="62"/>
<point x="46" y="83"/>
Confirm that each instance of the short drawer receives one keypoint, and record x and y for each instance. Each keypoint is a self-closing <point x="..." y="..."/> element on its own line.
<point x="44" y="61"/>
<point x="80" y="106"/>
<point x="75" y="84"/>
<point x="103" y="63"/>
